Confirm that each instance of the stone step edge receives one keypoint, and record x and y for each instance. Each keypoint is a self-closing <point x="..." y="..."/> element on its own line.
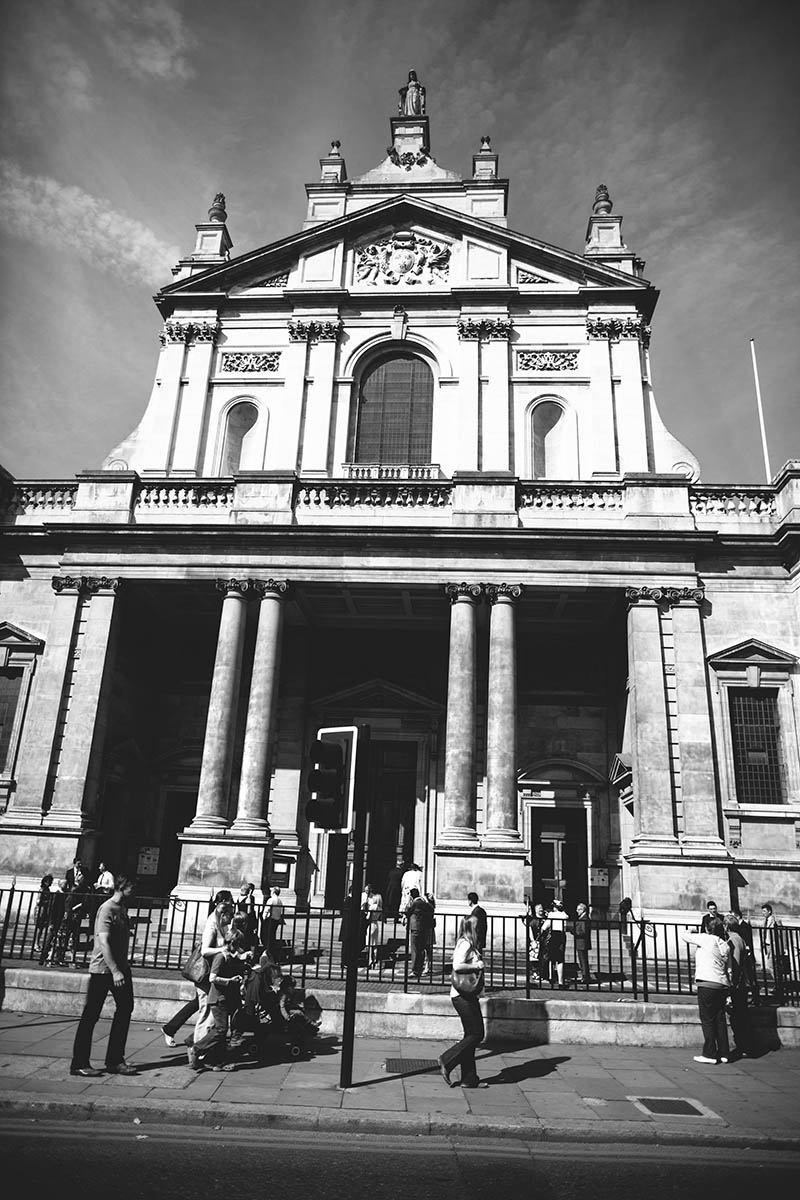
<point x="209" y="1114"/>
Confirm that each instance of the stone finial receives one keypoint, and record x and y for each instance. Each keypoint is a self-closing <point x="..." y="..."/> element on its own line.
<point x="217" y="211"/>
<point x="486" y="144"/>
<point x="336" y="147"/>
<point x="602" y="201"/>
<point x="412" y="98"/>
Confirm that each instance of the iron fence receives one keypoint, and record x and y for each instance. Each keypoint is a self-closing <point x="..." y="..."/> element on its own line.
<point x="637" y="959"/>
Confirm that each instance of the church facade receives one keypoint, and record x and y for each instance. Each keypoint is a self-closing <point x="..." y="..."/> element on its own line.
<point x="405" y="468"/>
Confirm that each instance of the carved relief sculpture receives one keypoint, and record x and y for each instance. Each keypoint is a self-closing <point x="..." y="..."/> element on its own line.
<point x="529" y="277"/>
<point x="486" y="329"/>
<point x="314" y="331"/>
<point x="404" y="257"/>
<point x="547" y="360"/>
<point x="615" y="328"/>
<point x="245" y="361"/>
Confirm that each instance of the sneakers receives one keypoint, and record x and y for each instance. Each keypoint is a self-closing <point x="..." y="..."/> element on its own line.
<point x="712" y="1061"/>
<point x="723" y="1060"/>
<point x="168" y="1038"/>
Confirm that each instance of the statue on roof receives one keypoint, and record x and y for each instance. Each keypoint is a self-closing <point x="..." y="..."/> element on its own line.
<point x="412" y="98"/>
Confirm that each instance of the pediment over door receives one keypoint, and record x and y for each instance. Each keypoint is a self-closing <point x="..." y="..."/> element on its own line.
<point x="378" y="695"/>
<point x="752" y="653"/>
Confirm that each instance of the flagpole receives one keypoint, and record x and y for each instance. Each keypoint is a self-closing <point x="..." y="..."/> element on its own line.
<point x="760" y="412"/>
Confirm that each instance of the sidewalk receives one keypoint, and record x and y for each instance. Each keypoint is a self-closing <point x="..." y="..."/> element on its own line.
<point x="551" y="1092"/>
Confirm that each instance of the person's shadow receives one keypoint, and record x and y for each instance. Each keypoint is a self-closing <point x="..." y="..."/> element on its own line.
<point x="535" y="1068"/>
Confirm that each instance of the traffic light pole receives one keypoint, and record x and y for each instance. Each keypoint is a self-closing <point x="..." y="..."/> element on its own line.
<point x="353" y="945"/>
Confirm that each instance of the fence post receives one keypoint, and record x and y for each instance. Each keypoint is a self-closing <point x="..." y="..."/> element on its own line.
<point x="7" y="918"/>
<point x="643" y="944"/>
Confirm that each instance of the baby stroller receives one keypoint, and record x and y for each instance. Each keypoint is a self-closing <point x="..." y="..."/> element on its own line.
<point x="279" y="1013"/>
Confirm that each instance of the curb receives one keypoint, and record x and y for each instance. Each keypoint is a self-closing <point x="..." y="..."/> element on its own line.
<point x="218" y="1116"/>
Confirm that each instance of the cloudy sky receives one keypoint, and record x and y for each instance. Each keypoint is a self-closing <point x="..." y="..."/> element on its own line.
<point x="121" y="120"/>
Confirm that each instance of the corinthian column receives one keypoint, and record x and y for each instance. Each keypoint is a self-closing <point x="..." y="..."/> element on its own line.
<point x="215" y="771"/>
<point x="459" y="791"/>
<point x="502" y="823"/>
<point x="253" y="788"/>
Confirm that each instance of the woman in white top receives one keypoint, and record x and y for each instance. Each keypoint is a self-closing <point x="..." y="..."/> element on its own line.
<point x="372" y="908"/>
<point x="214" y="930"/>
<point x="467" y="965"/>
<point x="712" y="976"/>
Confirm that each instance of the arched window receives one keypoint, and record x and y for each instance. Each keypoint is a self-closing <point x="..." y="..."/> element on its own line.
<point x="395" y="412"/>
<point x="238" y="434"/>
<point x="552" y="442"/>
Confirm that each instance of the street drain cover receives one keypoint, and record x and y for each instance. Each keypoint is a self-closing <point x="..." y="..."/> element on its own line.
<point x="672" y="1106"/>
<point x="410" y="1066"/>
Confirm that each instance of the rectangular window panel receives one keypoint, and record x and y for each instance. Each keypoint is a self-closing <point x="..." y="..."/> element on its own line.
<point x="10" y="684"/>
<point x="755" y="734"/>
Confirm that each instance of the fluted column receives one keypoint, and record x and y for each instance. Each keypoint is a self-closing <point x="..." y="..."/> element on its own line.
<point x="459" y="790"/>
<point x="215" y="771"/>
<point x="502" y="823"/>
<point x="253" y="787"/>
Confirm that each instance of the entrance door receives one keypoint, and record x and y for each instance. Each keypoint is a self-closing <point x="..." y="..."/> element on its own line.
<point x="559" y="859"/>
<point x="393" y="795"/>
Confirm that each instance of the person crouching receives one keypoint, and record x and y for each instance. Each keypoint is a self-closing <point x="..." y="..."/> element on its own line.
<point x="228" y="970"/>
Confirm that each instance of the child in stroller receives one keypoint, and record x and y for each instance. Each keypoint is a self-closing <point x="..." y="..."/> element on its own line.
<point x="278" y="1012"/>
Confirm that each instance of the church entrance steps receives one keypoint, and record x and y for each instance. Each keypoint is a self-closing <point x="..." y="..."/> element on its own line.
<point x="384" y="1010"/>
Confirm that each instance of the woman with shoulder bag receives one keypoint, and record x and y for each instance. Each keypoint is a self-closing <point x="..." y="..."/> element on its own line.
<point x="466" y="988"/>
<point x="216" y="926"/>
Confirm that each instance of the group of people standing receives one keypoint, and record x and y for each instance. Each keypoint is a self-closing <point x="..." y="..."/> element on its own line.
<point x="547" y="942"/>
<point x="62" y="906"/>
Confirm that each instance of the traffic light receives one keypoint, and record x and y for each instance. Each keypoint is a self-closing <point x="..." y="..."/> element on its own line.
<point x="331" y="779"/>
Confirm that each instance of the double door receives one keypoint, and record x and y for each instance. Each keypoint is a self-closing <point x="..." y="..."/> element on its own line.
<point x="559" y="860"/>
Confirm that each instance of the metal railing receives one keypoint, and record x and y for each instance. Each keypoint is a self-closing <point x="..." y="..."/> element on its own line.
<point x="637" y="959"/>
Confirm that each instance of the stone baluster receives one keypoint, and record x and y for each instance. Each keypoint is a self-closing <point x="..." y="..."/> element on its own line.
<point x="502" y="821"/>
<point x="254" y="784"/>
<point x="459" y="788"/>
<point x="215" y="770"/>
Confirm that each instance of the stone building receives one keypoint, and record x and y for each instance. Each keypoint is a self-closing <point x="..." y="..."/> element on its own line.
<point x="406" y="468"/>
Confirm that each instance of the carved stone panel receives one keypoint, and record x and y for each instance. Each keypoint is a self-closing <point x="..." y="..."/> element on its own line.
<point x="547" y="360"/>
<point x="403" y="258"/>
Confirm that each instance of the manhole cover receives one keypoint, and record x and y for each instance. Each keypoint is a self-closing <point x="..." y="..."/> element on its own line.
<point x="672" y="1106"/>
<point x="410" y="1066"/>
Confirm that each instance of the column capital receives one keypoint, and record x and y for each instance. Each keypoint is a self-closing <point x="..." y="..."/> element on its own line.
<point x="229" y="586"/>
<point x="664" y="597"/>
<point x="502" y="592"/>
<point x="270" y="587"/>
<point x="463" y="591"/>
<point x="85" y="584"/>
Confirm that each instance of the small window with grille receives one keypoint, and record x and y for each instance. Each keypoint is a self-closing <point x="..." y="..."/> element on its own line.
<point x="755" y="734"/>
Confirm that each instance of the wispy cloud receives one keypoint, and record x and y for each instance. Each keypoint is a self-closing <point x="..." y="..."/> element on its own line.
<point x="147" y="39"/>
<point x="48" y="213"/>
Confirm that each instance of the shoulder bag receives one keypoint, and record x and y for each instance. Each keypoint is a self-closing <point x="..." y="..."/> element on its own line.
<point x="196" y="968"/>
<point x="468" y="983"/>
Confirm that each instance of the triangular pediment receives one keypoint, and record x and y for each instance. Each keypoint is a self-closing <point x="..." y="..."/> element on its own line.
<point x="751" y="653"/>
<point x="267" y="269"/>
<point x="378" y="694"/>
<point x="14" y="638"/>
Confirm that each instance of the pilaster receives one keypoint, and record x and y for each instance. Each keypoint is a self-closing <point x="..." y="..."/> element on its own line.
<point x="319" y="397"/>
<point x="494" y="407"/>
<point x="194" y="400"/>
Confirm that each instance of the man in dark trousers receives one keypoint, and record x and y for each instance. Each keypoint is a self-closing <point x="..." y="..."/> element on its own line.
<point x="419" y="921"/>
<point x="109" y="970"/>
<point x="480" y="916"/>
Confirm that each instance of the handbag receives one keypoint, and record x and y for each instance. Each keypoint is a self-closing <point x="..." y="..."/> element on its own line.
<point x="468" y="983"/>
<point x="196" y="968"/>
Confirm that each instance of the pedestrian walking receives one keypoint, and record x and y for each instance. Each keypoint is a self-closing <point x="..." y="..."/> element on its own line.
<point x="212" y="941"/>
<point x="467" y="985"/>
<point x="50" y="950"/>
<point x="229" y="970"/>
<point x="712" y="974"/>
<point x="109" y="971"/>
<point x="42" y="918"/>
<point x="372" y="910"/>
<point x="272" y="921"/>
<point x="555" y="927"/>
<point x="770" y="950"/>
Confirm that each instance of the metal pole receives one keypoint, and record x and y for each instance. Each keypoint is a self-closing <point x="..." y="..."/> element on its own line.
<point x="760" y="413"/>
<point x="360" y="806"/>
